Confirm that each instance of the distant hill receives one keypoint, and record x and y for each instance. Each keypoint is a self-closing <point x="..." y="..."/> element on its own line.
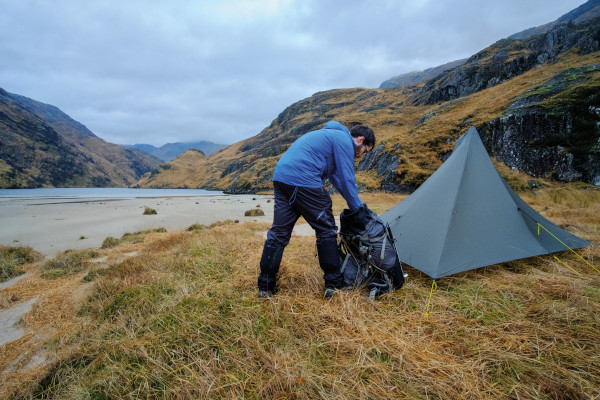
<point x="412" y="78"/>
<point x="169" y="151"/>
<point x="535" y="103"/>
<point x="41" y="146"/>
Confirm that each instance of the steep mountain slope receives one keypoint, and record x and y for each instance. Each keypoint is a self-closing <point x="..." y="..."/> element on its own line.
<point x="169" y="151"/>
<point x="32" y="154"/>
<point x="535" y="102"/>
<point x="43" y="147"/>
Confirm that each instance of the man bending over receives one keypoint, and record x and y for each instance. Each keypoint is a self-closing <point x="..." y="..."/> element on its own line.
<point x="298" y="185"/>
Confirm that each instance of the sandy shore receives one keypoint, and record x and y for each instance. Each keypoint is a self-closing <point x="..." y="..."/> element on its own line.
<point x="50" y="225"/>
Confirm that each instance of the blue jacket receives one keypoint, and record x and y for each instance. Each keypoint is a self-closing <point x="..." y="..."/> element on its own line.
<point x="327" y="152"/>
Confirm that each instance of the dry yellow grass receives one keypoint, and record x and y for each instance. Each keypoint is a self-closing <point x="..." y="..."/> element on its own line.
<point x="175" y="315"/>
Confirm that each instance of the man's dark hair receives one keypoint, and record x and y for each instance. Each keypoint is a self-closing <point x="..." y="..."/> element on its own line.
<point x="364" y="130"/>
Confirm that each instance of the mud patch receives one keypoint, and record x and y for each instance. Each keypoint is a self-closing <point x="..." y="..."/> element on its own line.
<point x="10" y="328"/>
<point x="11" y="282"/>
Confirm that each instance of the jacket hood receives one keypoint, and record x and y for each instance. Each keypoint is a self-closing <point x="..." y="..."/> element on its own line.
<point x="336" y="125"/>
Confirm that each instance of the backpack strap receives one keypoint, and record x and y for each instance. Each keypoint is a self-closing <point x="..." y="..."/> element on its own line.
<point x="381" y="239"/>
<point x="382" y="256"/>
<point x="366" y="238"/>
<point x="345" y="262"/>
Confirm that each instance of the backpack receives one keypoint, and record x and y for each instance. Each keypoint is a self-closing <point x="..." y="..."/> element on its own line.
<point x="369" y="257"/>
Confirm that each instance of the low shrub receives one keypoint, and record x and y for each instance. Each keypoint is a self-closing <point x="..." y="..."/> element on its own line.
<point x="110" y="242"/>
<point x="150" y="211"/>
<point x="196" y="227"/>
<point x="254" y="213"/>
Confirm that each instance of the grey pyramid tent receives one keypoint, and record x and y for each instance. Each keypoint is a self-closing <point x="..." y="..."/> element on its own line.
<point x="466" y="216"/>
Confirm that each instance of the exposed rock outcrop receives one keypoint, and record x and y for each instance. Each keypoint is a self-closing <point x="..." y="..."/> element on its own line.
<point x="558" y="139"/>
<point x="528" y="143"/>
<point x="385" y="163"/>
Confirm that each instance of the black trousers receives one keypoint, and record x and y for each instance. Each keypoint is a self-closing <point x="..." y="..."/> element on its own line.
<point x="292" y="202"/>
<point x="314" y="204"/>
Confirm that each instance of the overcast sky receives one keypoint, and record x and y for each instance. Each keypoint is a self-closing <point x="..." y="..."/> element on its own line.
<point x="168" y="71"/>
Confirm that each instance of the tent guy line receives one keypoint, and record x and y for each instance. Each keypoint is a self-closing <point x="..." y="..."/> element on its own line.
<point x="576" y="253"/>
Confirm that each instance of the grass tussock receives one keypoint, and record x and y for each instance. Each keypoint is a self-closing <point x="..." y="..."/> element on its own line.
<point x="255" y="212"/>
<point x="181" y="320"/>
<point x="132" y="238"/>
<point x="13" y="257"/>
<point x="67" y="263"/>
<point x="199" y="227"/>
<point x="149" y="211"/>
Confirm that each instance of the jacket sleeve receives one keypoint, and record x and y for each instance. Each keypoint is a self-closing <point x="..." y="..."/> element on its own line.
<point x="343" y="178"/>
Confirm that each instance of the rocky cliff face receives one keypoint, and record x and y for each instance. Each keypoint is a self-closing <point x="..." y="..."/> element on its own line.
<point x="557" y="139"/>
<point x="518" y="141"/>
<point x="385" y="163"/>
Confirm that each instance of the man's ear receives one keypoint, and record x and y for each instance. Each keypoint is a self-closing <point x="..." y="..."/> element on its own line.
<point x="359" y="140"/>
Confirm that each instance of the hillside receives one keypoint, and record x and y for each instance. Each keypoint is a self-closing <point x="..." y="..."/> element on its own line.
<point x="534" y="102"/>
<point x="43" y="147"/>
<point x="180" y="171"/>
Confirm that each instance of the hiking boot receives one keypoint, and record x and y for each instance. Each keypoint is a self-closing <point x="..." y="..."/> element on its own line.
<point x="329" y="293"/>
<point x="265" y="294"/>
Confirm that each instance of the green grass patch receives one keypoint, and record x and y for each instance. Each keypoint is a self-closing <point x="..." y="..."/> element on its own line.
<point x="138" y="300"/>
<point x="481" y="304"/>
<point x="67" y="263"/>
<point x="94" y="274"/>
<point x="12" y="257"/>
